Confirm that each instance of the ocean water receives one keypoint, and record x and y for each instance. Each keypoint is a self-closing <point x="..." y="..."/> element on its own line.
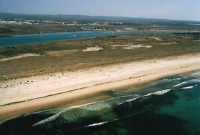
<point x="169" y="106"/>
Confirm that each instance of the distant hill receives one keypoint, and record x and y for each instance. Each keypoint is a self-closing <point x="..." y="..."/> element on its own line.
<point x="11" y="16"/>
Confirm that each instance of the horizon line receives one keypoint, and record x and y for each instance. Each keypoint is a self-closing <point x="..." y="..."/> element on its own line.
<point x="100" y="16"/>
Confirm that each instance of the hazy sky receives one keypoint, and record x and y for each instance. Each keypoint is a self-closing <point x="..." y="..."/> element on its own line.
<point x="166" y="9"/>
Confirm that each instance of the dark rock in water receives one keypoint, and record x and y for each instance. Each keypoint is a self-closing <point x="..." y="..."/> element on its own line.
<point x="133" y="107"/>
<point x="146" y="103"/>
<point x="142" y="124"/>
<point x="22" y="125"/>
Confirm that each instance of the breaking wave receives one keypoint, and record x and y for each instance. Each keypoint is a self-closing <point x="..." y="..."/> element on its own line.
<point x="75" y="113"/>
<point x="78" y="113"/>
<point x="187" y="83"/>
<point x="171" y="79"/>
<point x="97" y="124"/>
<point x="158" y="92"/>
<point x="188" y="87"/>
<point x="196" y="74"/>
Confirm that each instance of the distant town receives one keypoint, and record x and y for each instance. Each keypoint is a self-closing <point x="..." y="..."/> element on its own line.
<point x="12" y="24"/>
<point x="68" y="23"/>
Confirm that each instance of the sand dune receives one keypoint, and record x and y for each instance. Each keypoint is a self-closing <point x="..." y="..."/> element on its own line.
<point x="20" y="56"/>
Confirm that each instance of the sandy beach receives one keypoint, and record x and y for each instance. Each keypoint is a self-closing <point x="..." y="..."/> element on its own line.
<point x="36" y="93"/>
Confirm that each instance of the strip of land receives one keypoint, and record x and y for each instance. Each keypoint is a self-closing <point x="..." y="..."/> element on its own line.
<point x="25" y="95"/>
<point x="66" y="73"/>
<point x="61" y="56"/>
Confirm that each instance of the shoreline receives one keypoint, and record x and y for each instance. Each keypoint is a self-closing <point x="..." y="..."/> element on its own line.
<point x="54" y="91"/>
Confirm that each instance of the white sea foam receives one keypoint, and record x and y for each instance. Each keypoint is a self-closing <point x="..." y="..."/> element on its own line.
<point x="188" y="87"/>
<point x="176" y="79"/>
<point x="97" y="124"/>
<point x="180" y="84"/>
<point x="101" y="123"/>
<point x="166" y="80"/>
<point x="46" y="120"/>
<point x="130" y="100"/>
<point x="158" y="92"/>
<point x="196" y="74"/>
<point x="192" y="81"/>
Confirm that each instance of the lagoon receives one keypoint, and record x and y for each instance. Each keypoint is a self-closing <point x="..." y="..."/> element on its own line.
<point x="46" y="37"/>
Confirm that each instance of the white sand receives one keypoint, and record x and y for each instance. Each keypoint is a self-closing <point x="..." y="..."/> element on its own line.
<point x="91" y="49"/>
<point x="131" y="46"/>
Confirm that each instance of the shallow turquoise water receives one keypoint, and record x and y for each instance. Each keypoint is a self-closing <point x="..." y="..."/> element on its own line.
<point x="187" y="107"/>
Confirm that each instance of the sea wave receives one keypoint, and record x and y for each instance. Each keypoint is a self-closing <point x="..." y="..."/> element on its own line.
<point x="4" y="121"/>
<point x="176" y="79"/>
<point x="158" y="92"/>
<point x="161" y="92"/>
<point x="97" y="124"/>
<point x="43" y="112"/>
<point x="188" y="87"/>
<point x="196" y="74"/>
<point x="75" y="113"/>
<point x="187" y="83"/>
<point x="171" y="79"/>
